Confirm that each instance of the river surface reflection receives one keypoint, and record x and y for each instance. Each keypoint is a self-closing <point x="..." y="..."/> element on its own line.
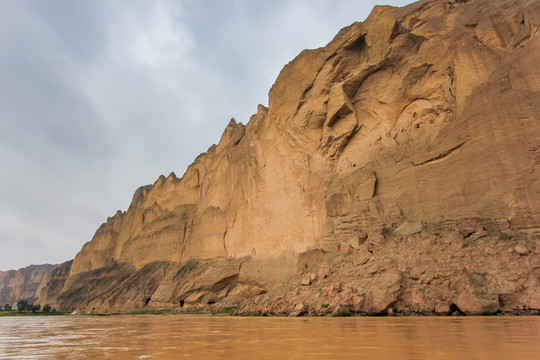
<point x="225" y="337"/>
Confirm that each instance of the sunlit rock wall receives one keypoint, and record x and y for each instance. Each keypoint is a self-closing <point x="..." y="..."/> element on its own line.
<point x="418" y="117"/>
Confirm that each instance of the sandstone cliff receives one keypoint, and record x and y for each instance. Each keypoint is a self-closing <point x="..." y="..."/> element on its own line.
<point x="23" y="284"/>
<point x="54" y="284"/>
<point x="402" y="158"/>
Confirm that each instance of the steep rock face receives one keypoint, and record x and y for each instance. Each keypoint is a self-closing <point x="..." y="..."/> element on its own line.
<point x="55" y="283"/>
<point x="3" y="275"/>
<point x="23" y="284"/>
<point x="422" y="117"/>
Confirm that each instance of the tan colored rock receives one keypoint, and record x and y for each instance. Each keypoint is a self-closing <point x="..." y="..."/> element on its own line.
<point x="299" y="310"/>
<point x="324" y="271"/>
<point x="24" y="284"/>
<point x="456" y="240"/>
<point x="425" y="113"/>
<point x="471" y="303"/>
<point x="55" y="283"/>
<point x="408" y="228"/>
<point x="341" y="310"/>
<point x="442" y="309"/>
<point x="309" y="259"/>
<point x="362" y="256"/>
<point x="388" y="285"/>
<point x="3" y="275"/>
<point x="480" y="233"/>
<point x="357" y="303"/>
<point x="345" y="248"/>
<point x="428" y="280"/>
<point x="521" y="249"/>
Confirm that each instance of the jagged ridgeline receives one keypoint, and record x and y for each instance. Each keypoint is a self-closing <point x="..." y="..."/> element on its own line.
<point x="395" y="169"/>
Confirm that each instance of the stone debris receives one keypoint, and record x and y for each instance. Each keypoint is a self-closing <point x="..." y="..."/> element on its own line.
<point x="521" y="249"/>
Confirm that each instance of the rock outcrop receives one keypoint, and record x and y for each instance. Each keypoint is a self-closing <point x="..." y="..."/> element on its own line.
<point x="55" y="282"/>
<point x="403" y="156"/>
<point x="23" y="284"/>
<point x="427" y="273"/>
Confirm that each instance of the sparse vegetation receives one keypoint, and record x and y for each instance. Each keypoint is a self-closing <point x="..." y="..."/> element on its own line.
<point x="149" y="311"/>
<point x="229" y="310"/>
<point x="25" y="308"/>
<point x="324" y="306"/>
<point x="12" y="312"/>
<point x="192" y="310"/>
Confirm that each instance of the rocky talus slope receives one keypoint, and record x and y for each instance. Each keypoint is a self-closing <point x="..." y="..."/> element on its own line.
<point x="23" y="284"/>
<point x="395" y="169"/>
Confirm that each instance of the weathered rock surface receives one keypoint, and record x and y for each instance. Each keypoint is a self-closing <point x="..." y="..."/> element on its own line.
<point x="407" y="150"/>
<point x="415" y="274"/>
<point x="23" y="284"/>
<point x="54" y="284"/>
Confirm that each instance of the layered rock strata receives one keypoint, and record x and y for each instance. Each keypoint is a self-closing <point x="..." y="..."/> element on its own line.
<point x="23" y="284"/>
<point x="55" y="282"/>
<point x="410" y="141"/>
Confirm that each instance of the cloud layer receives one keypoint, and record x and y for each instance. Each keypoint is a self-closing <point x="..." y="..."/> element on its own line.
<point x="100" y="97"/>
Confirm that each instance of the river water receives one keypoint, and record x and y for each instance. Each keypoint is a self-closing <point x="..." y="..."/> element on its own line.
<point x="225" y="337"/>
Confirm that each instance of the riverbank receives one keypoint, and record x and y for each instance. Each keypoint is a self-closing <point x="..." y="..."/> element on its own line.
<point x="326" y="310"/>
<point x="25" y="313"/>
<point x="437" y="272"/>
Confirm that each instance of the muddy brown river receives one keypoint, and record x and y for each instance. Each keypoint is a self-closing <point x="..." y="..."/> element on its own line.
<point x="225" y="337"/>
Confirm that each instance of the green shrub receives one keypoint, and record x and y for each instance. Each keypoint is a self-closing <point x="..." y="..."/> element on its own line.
<point x="22" y="305"/>
<point x="324" y="306"/>
<point x="229" y="309"/>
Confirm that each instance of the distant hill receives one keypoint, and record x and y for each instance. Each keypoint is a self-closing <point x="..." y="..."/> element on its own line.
<point x="23" y="284"/>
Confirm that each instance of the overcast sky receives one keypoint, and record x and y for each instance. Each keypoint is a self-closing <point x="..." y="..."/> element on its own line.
<point x="100" y="97"/>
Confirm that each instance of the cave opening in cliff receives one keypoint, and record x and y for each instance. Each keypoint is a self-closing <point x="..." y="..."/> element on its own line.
<point x="181" y="303"/>
<point x="455" y="310"/>
<point x="146" y="301"/>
